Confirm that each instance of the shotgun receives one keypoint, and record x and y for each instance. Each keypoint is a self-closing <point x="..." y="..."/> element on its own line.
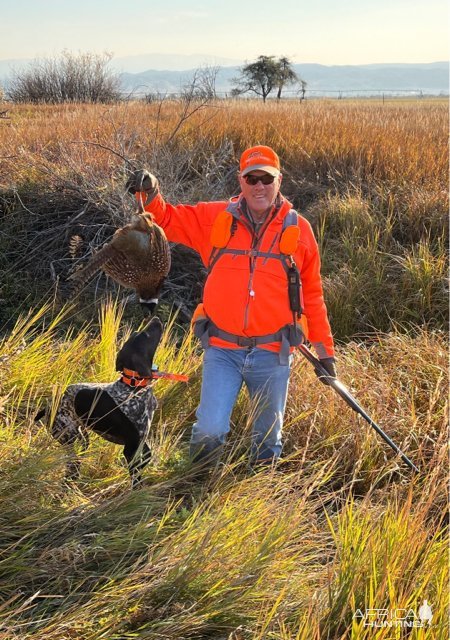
<point x="345" y="394"/>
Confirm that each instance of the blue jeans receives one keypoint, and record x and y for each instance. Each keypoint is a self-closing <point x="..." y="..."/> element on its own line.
<point x="224" y="372"/>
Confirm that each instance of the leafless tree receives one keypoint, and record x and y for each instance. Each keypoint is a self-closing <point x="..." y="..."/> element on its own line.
<point x="83" y="77"/>
<point x="202" y="85"/>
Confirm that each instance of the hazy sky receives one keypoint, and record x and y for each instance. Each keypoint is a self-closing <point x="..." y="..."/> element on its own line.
<point x="323" y="31"/>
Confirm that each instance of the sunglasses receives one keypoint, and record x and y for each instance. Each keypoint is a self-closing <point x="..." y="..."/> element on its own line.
<point x="251" y="179"/>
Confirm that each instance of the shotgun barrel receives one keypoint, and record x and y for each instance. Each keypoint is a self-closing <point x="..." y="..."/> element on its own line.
<point x="345" y="394"/>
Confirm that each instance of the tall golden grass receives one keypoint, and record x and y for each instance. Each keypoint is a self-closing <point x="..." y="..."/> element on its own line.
<point x="340" y="526"/>
<point x="357" y="141"/>
<point x="371" y="178"/>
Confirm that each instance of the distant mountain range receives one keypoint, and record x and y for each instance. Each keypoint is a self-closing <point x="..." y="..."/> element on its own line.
<point x="140" y="63"/>
<point x="164" y="73"/>
<point x="432" y="78"/>
<point x="170" y="62"/>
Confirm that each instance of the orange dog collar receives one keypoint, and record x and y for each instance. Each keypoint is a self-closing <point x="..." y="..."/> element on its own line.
<point x="133" y="379"/>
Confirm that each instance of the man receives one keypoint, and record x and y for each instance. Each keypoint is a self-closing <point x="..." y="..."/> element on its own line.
<point x="258" y="251"/>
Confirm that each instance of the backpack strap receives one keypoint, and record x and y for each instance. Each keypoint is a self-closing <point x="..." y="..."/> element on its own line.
<point x="289" y="240"/>
<point x="290" y="234"/>
<point x="223" y="229"/>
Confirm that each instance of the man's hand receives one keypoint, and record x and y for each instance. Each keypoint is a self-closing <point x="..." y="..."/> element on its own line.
<point x="328" y="365"/>
<point x="142" y="180"/>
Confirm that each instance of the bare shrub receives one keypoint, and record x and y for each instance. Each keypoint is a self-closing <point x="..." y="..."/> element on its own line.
<point x="203" y="84"/>
<point x="83" y="77"/>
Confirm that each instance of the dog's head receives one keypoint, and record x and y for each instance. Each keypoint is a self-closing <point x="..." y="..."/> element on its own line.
<point x="138" y="351"/>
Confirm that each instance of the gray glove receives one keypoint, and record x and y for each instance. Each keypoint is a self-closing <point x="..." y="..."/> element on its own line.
<point x="328" y="365"/>
<point x="142" y="180"/>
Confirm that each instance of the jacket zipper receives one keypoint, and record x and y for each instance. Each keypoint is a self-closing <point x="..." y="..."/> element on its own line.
<point x="251" y="293"/>
<point x="256" y="240"/>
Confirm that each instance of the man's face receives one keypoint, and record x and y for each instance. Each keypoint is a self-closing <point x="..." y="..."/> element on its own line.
<point x="260" y="197"/>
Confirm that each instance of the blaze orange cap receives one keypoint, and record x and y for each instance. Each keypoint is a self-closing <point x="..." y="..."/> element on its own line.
<point x="260" y="158"/>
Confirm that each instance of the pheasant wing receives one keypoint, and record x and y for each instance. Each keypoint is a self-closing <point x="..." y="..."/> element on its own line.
<point x="97" y="262"/>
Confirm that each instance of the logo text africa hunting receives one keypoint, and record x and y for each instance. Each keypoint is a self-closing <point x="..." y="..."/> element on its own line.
<point x="407" y="618"/>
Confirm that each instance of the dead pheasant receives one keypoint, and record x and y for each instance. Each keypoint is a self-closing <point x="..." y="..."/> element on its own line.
<point x="137" y="257"/>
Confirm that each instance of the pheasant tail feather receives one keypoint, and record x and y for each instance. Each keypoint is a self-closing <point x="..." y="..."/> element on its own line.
<point x="87" y="272"/>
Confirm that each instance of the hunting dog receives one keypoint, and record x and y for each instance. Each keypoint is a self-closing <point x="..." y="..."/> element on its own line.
<point x="121" y="411"/>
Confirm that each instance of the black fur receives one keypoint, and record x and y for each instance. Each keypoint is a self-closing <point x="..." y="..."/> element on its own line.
<point x="117" y="412"/>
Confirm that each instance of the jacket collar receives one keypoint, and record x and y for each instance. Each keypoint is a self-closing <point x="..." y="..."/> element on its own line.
<point x="237" y="206"/>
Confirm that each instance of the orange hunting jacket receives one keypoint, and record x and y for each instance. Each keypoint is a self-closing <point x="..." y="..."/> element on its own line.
<point x="244" y="295"/>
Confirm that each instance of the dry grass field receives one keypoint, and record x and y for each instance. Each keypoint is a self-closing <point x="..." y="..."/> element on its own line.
<point x="372" y="179"/>
<point x="340" y="541"/>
